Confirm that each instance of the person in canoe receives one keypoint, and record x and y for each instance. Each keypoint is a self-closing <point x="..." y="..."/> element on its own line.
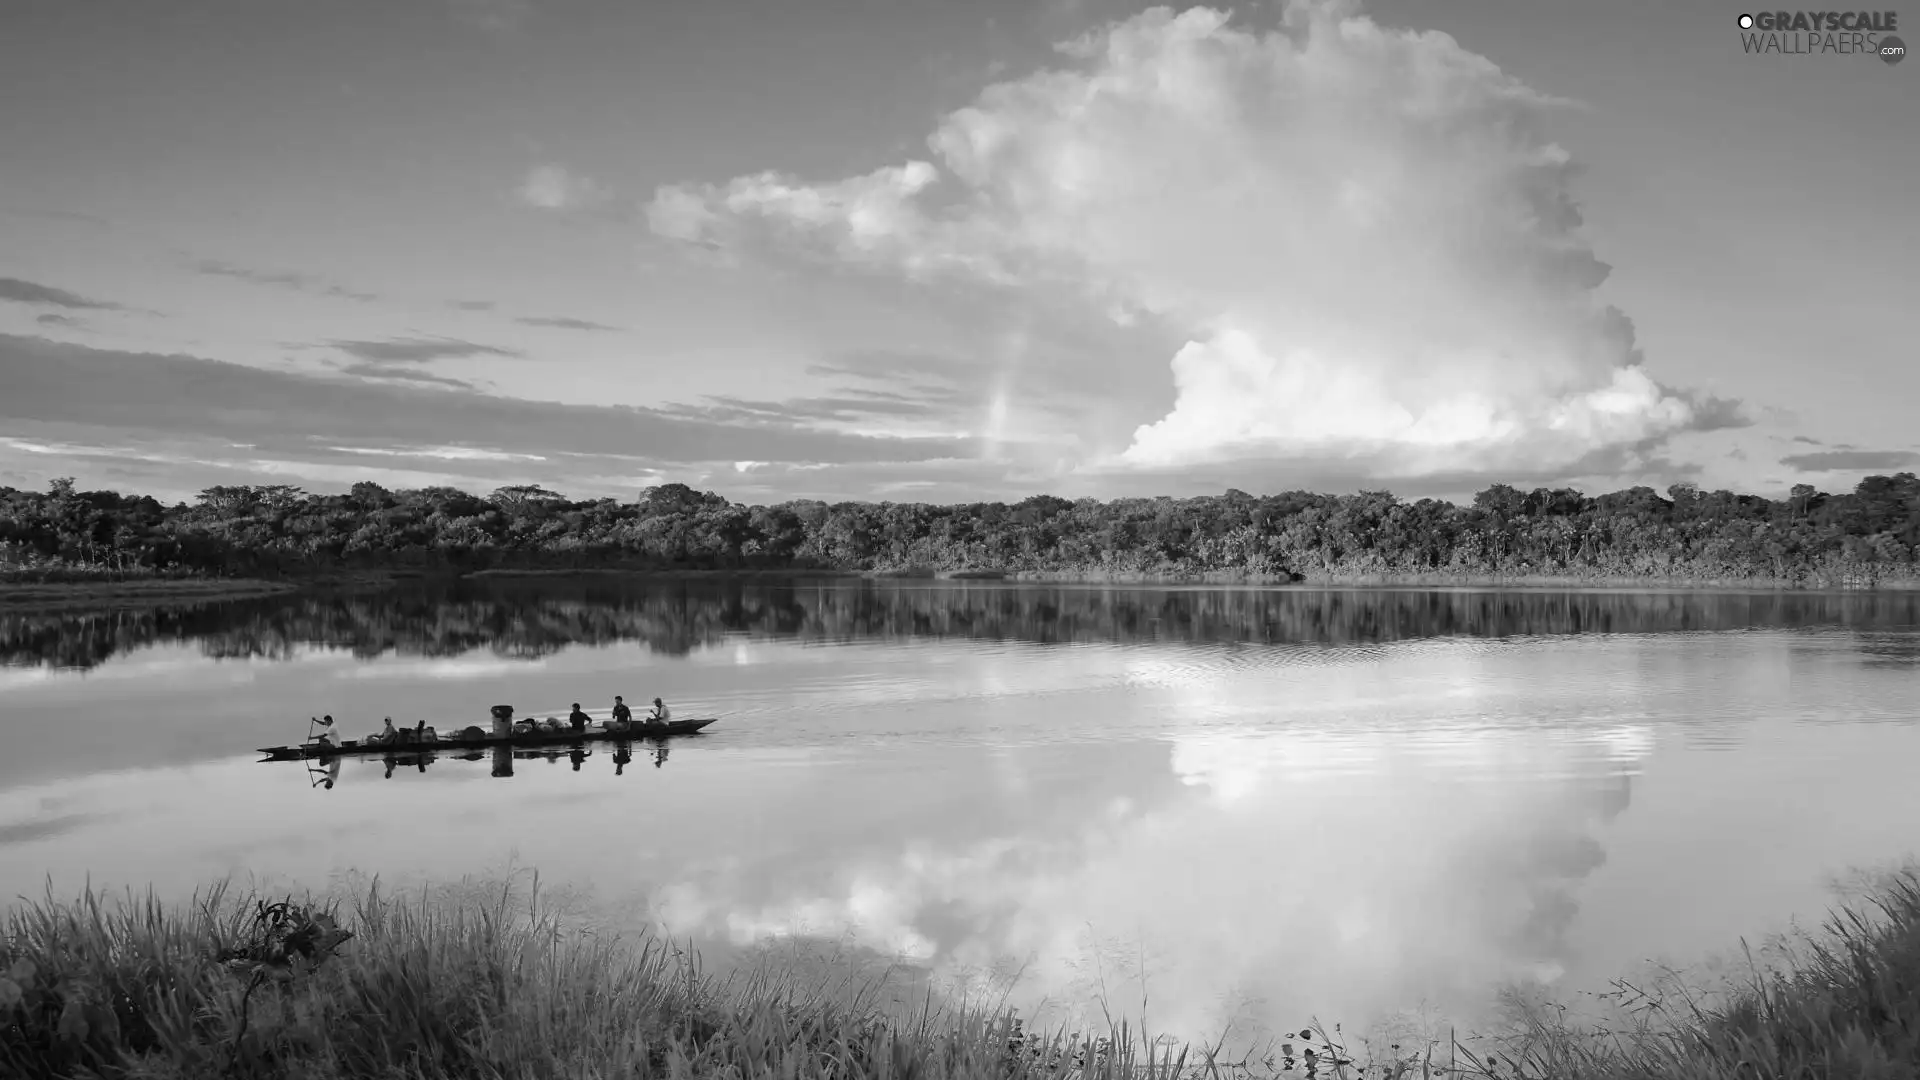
<point x="659" y="715"/>
<point x="577" y="718"/>
<point x="622" y="716"/>
<point x="328" y="737"/>
<point x="387" y="735"/>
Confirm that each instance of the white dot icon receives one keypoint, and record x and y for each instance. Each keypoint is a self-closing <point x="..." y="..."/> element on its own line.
<point x="1746" y="22"/>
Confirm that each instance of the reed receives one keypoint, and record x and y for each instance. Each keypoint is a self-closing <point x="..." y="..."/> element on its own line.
<point x="1843" y="1002"/>
<point x="495" y="985"/>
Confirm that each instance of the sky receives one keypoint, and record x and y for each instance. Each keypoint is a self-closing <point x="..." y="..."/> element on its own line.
<point x="920" y="251"/>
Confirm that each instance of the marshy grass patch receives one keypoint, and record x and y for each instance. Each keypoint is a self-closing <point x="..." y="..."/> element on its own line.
<point x="481" y="980"/>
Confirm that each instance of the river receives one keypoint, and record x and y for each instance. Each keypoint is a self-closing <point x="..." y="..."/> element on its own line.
<point x="1260" y="805"/>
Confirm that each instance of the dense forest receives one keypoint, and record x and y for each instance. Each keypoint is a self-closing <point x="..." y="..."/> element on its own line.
<point x="1866" y="537"/>
<point x="528" y="619"/>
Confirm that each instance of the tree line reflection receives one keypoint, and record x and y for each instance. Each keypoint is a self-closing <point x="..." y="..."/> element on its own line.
<point x="534" y="619"/>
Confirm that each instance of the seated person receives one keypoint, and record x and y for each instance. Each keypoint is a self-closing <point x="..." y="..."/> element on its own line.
<point x="659" y="714"/>
<point x="621" y="714"/>
<point x="578" y="718"/>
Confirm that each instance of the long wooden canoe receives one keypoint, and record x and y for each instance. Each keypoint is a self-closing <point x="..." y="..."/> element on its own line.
<point x="635" y="732"/>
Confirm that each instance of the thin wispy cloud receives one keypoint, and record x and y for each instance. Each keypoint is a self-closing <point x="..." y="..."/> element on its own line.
<point x="33" y="292"/>
<point x="922" y="374"/>
<point x="391" y="373"/>
<point x="472" y="305"/>
<point x="557" y="188"/>
<point x="1823" y="460"/>
<point x="1365" y="238"/>
<point x="900" y="391"/>
<point x="283" y="279"/>
<point x="921" y="368"/>
<point x="560" y="323"/>
<point x="419" y="350"/>
<point x="67" y="321"/>
<point x="808" y="410"/>
<point x="443" y="453"/>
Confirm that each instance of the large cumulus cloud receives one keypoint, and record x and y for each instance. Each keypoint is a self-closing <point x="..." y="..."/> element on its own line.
<point x="1365" y="235"/>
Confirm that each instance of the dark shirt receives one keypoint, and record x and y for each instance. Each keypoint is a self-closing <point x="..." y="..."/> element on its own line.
<point x="621" y="712"/>
<point x="578" y="719"/>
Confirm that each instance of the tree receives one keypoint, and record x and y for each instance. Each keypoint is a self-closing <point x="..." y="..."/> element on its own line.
<point x="523" y="500"/>
<point x="1871" y="533"/>
<point x="1802" y="499"/>
<point x="369" y="497"/>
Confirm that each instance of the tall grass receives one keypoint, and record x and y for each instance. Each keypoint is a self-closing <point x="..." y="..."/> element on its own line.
<point x="495" y="987"/>
<point x="1844" y="1002"/>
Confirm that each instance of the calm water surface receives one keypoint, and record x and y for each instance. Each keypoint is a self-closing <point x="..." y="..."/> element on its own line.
<point x="1276" y="803"/>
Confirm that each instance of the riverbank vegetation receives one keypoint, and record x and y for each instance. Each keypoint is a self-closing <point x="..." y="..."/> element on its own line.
<point x="1867" y="537"/>
<point x="431" y="987"/>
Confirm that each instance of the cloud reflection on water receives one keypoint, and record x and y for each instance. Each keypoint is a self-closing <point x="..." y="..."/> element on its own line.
<point x="1283" y="874"/>
<point x="43" y="827"/>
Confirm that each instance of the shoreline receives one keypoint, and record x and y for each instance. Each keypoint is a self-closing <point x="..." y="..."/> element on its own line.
<point x="1597" y="582"/>
<point x="1609" y="582"/>
<point x="670" y="573"/>
<point x="139" y="590"/>
<point x="160" y="591"/>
